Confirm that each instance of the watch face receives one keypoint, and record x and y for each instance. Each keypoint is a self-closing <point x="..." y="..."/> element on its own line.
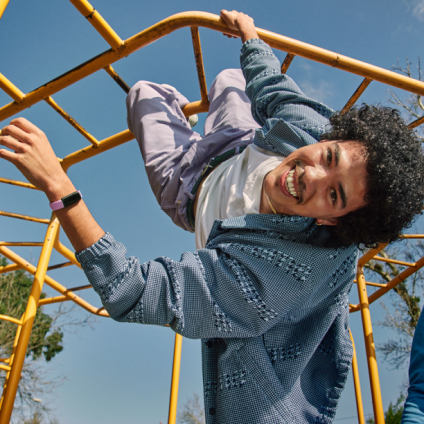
<point x="71" y="198"/>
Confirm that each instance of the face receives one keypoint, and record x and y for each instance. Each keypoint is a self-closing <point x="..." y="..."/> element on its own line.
<point x="324" y="181"/>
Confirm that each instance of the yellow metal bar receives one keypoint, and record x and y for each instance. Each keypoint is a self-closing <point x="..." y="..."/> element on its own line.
<point x="370" y="254"/>
<point x="11" y="359"/>
<point x="370" y="348"/>
<point x="393" y="283"/>
<point x="393" y="261"/>
<point x="51" y="283"/>
<point x="358" y="394"/>
<point x="195" y="107"/>
<point x="197" y="47"/>
<point x="20" y="243"/>
<point x="9" y="268"/>
<point x="64" y="298"/>
<point x="17" y="183"/>
<point x="416" y="123"/>
<point x="117" y="78"/>
<point x="5" y="367"/>
<point x="364" y="84"/>
<point x="210" y="21"/>
<point x="287" y="62"/>
<point x="90" y="151"/>
<point x="68" y="254"/>
<point x="10" y="319"/>
<point x="27" y="322"/>
<point x="95" y="19"/>
<point x="369" y="283"/>
<point x="24" y="217"/>
<point x="72" y="121"/>
<point x="3" y="5"/>
<point x="11" y="89"/>
<point x="173" y="399"/>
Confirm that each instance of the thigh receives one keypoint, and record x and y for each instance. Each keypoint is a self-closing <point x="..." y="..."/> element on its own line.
<point x="162" y="131"/>
<point x="229" y="104"/>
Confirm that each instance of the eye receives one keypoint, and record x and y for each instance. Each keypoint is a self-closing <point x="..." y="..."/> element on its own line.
<point x="329" y="157"/>
<point x="333" y="195"/>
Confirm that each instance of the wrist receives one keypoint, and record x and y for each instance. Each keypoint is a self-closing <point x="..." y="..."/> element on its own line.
<point x="58" y="189"/>
<point x="246" y="27"/>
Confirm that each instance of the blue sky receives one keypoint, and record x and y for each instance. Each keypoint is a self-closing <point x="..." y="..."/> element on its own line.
<point x="120" y="373"/>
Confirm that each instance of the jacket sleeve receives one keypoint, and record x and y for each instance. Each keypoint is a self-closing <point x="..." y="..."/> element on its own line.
<point x="278" y="105"/>
<point x="413" y="412"/>
<point x="205" y="294"/>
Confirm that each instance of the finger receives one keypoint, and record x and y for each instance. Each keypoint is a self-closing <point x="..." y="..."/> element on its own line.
<point x="25" y="125"/>
<point x="15" y="132"/>
<point x="8" y="155"/>
<point x="11" y="143"/>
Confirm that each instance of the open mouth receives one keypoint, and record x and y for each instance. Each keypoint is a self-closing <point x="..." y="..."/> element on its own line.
<point x="289" y="184"/>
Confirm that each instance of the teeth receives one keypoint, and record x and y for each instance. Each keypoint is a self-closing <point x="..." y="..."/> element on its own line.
<point x="289" y="183"/>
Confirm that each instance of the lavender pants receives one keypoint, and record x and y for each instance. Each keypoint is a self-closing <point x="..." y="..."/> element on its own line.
<point x="174" y="155"/>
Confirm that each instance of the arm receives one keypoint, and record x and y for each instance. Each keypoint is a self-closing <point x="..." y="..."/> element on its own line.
<point x="209" y="293"/>
<point x="33" y="155"/>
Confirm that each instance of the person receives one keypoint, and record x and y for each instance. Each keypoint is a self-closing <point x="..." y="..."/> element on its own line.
<point x="267" y="289"/>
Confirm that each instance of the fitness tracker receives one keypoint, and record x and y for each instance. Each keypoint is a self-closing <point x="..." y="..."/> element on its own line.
<point x="66" y="201"/>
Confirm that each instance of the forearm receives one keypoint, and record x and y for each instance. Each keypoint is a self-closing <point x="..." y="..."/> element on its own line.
<point x="76" y="220"/>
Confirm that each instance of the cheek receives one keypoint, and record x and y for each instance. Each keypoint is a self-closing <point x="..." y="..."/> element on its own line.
<point x="319" y="206"/>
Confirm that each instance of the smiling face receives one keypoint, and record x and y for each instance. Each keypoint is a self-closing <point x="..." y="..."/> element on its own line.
<point x="325" y="180"/>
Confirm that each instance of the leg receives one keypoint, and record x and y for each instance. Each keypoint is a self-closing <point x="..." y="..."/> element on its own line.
<point x="229" y="104"/>
<point x="162" y="132"/>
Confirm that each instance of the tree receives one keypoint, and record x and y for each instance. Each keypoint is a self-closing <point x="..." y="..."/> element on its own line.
<point x="393" y="415"/>
<point x="192" y="412"/>
<point x="45" y="343"/>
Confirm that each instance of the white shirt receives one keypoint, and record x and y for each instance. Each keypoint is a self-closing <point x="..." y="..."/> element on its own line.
<point x="233" y="189"/>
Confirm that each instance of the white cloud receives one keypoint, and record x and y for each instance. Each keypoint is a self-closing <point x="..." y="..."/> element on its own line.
<point x="418" y="9"/>
<point x="321" y="91"/>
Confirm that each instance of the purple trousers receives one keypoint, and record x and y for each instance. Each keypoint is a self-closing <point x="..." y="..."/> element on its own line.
<point x="174" y="155"/>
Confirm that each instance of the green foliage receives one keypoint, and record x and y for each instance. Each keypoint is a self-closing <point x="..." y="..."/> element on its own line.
<point x="192" y="412"/>
<point x="15" y="289"/>
<point x="393" y="415"/>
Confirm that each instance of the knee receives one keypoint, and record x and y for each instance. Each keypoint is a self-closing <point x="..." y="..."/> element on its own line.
<point x="228" y="78"/>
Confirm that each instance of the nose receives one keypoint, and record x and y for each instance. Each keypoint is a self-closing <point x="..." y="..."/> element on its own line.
<point x="315" y="178"/>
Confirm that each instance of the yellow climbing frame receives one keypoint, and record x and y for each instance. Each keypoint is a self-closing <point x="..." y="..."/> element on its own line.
<point x="120" y="49"/>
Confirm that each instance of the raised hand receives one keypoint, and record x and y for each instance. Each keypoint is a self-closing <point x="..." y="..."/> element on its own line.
<point x="33" y="155"/>
<point x="240" y="22"/>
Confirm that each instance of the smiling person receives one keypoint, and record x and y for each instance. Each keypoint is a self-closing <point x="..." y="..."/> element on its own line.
<point x="279" y="192"/>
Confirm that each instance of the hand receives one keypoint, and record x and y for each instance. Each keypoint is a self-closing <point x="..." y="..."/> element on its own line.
<point x="240" y="22"/>
<point x="33" y="155"/>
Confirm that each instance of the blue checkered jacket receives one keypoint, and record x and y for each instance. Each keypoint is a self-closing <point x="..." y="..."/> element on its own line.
<point x="268" y="295"/>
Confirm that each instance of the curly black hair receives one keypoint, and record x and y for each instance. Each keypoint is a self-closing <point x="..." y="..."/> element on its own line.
<point x="395" y="167"/>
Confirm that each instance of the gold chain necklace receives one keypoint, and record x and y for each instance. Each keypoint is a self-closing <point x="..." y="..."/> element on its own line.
<point x="270" y="204"/>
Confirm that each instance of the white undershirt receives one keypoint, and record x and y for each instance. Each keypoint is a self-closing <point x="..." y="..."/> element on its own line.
<point x="233" y="189"/>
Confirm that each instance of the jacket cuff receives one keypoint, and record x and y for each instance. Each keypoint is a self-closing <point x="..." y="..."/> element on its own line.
<point x="253" y="41"/>
<point x="93" y="252"/>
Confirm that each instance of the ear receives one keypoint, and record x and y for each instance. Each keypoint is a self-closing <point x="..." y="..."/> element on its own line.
<point x="332" y="221"/>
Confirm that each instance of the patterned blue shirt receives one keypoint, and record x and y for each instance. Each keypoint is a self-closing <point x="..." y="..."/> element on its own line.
<point x="268" y="295"/>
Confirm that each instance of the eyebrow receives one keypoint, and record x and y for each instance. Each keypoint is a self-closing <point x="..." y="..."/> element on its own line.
<point x="342" y="196"/>
<point x="341" y="190"/>
<point x="337" y="152"/>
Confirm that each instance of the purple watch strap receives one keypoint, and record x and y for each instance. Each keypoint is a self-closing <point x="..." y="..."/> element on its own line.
<point x="63" y="202"/>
